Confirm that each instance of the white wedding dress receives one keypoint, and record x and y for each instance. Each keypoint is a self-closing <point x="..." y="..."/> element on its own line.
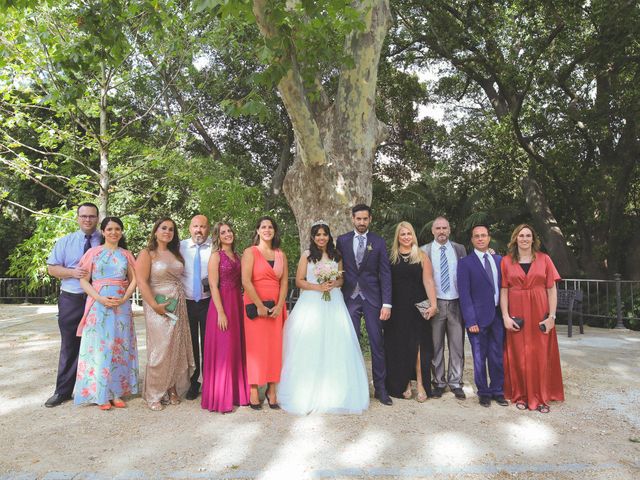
<point x="322" y="368"/>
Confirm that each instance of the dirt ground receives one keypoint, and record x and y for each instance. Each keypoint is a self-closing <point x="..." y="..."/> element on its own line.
<point x="593" y="434"/>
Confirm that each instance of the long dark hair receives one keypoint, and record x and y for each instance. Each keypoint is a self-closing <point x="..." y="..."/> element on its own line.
<point x="173" y="246"/>
<point x="315" y="254"/>
<point x="122" y="243"/>
<point x="275" y="243"/>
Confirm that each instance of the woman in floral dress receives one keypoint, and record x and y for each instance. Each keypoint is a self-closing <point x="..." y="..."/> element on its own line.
<point x="108" y="360"/>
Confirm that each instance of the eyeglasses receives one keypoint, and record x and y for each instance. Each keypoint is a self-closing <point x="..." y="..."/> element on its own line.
<point x="87" y="217"/>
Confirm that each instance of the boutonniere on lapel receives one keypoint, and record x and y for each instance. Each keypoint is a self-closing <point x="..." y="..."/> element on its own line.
<point x="369" y="247"/>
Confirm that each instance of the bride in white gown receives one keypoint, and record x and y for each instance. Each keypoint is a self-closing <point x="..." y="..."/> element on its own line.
<point x="322" y="368"/>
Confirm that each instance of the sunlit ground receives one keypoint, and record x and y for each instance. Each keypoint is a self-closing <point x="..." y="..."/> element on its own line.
<point x="586" y="437"/>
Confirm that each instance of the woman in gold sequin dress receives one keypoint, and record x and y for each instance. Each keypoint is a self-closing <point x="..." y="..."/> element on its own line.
<point x="170" y="361"/>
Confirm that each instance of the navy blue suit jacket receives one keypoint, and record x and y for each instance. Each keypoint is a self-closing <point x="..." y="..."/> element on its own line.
<point x="476" y="291"/>
<point x="374" y="274"/>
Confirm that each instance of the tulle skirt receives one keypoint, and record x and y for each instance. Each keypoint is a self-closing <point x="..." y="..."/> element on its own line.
<point x="323" y="369"/>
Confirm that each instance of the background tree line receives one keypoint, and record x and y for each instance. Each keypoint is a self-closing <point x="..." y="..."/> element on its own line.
<point x="234" y="108"/>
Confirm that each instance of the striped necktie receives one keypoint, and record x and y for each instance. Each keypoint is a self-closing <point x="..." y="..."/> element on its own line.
<point x="444" y="270"/>
<point x="360" y="250"/>
<point x="197" y="290"/>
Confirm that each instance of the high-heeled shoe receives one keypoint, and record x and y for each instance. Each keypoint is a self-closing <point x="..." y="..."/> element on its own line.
<point x="272" y="406"/>
<point x="174" y="399"/>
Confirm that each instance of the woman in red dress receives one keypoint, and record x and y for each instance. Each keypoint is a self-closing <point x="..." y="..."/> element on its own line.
<point x="532" y="375"/>
<point x="264" y="277"/>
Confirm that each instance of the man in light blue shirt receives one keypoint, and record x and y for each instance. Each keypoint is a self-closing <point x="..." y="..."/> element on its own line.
<point x="444" y="255"/>
<point x="63" y="264"/>
<point x="196" y="252"/>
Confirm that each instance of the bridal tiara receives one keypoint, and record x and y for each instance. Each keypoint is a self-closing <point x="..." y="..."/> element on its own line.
<point x="320" y="222"/>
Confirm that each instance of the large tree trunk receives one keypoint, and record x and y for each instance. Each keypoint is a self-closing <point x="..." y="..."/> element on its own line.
<point x="335" y="143"/>
<point x="103" y="145"/>
<point x="543" y="218"/>
<point x="329" y="191"/>
<point x="546" y="224"/>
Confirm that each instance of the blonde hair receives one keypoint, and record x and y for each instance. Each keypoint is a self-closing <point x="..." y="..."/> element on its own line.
<point x="512" y="248"/>
<point x="414" y="256"/>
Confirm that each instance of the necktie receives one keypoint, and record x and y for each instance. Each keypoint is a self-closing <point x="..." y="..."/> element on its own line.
<point x="197" y="291"/>
<point x="444" y="270"/>
<point x="360" y="250"/>
<point x="87" y="242"/>
<point x="487" y="267"/>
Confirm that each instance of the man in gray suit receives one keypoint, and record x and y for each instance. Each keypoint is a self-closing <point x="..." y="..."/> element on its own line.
<point x="444" y="255"/>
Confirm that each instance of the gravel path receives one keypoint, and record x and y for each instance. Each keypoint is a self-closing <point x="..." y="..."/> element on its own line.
<point x="592" y="435"/>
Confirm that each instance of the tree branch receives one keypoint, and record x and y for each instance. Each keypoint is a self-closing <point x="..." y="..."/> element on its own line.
<point x="294" y="97"/>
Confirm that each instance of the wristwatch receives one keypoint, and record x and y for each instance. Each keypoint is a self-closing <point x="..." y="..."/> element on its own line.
<point x="553" y="316"/>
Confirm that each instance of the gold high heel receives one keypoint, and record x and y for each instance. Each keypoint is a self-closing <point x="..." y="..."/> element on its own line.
<point x="174" y="399"/>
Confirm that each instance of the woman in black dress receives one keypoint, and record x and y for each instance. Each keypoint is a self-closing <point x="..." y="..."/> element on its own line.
<point x="407" y="334"/>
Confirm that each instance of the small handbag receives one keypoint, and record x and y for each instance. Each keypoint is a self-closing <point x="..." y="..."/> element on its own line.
<point x="173" y="302"/>
<point x="422" y="307"/>
<point x="252" y="310"/>
<point x="519" y="321"/>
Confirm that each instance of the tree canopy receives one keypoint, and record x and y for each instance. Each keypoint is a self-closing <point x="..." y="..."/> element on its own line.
<point x="236" y="108"/>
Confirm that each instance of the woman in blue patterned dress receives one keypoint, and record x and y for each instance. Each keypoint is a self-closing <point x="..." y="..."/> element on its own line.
<point x="108" y="360"/>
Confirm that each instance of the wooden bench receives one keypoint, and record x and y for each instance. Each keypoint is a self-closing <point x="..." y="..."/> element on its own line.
<point x="570" y="301"/>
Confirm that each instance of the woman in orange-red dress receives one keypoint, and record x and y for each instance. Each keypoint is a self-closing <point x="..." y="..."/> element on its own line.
<point x="532" y="374"/>
<point x="264" y="277"/>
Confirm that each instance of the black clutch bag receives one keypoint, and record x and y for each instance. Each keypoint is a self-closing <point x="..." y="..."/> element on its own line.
<point x="252" y="310"/>
<point x="519" y="321"/>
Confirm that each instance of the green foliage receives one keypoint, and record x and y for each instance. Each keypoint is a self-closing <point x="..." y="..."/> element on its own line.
<point x="29" y="259"/>
<point x="310" y="33"/>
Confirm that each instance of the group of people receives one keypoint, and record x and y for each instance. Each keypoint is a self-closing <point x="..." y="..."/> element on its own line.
<point x="217" y="322"/>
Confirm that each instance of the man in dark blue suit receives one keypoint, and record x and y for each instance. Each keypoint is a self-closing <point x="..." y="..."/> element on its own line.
<point x="367" y="288"/>
<point x="479" y="282"/>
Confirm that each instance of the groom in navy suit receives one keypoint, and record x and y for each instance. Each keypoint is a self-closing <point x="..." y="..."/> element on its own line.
<point x="479" y="282"/>
<point x="367" y="288"/>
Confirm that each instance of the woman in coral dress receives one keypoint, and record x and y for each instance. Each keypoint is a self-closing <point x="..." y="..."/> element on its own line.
<point x="108" y="360"/>
<point x="224" y="372"/>
<point x="264" y="278"/>
<point x="532" y="374"/>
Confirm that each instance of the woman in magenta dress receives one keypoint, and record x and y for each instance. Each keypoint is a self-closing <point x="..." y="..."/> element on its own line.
<point x="532" y="374"/>
<point x="224" y="372"/>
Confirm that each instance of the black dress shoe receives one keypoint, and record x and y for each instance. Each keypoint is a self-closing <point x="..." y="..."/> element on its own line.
<point x="272" y="406"/>
<point x="56" y="399"/>
<point x="485" y="401"/>
<point x="192" y="394"/>
<point x="459" y="393"/>
<point x="437" y="392"/>
<point x="384" y="398"/>
<point x="500" y="400"/>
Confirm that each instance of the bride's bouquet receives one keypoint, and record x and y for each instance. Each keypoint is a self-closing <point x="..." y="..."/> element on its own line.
<point x="326" y="272"/>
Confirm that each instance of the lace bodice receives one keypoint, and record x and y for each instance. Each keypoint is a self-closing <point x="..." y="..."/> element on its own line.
<point x="229" y="271"/>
